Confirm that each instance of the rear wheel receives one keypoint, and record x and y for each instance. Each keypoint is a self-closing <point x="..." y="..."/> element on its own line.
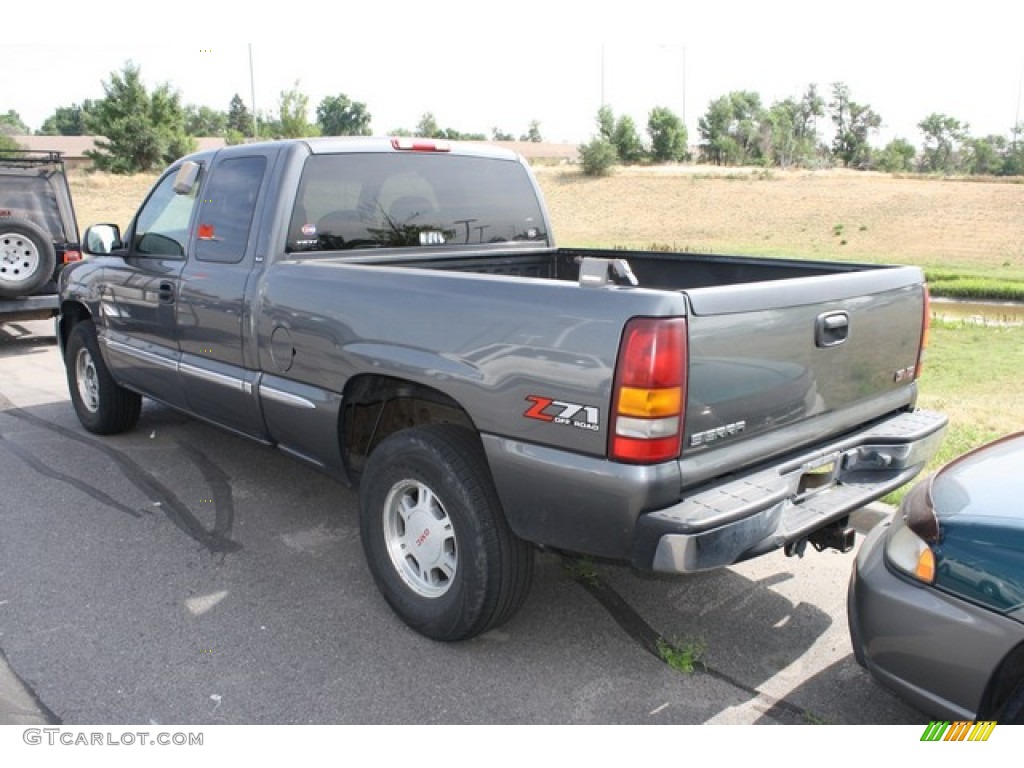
<point x="1012" y="711"/>
<point x="27" y="256"/>
<point x="102" y="405"/>
<point x="435" y="537"/>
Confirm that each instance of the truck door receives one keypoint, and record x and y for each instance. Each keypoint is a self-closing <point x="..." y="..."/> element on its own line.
<point x="218" y="378"/>
<point x="139" y="293"/>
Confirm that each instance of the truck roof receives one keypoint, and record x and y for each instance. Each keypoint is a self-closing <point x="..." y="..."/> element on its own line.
<point x="341" y="144"/>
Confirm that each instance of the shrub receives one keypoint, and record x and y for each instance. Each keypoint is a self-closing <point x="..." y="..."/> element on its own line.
<point x="598" y="156"/>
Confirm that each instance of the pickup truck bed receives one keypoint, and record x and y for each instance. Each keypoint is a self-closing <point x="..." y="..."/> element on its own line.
<point x="487" y="391"/>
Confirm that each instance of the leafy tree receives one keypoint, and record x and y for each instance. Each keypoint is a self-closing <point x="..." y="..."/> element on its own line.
<point x="897" y="157"/>
<point x="943" y="138"/>
<point x="731" y="128"/>
<point x="1013" y="161"/>
<point x="532" y="133"/>
<point x="340" y="116"/>
<point x="789" y="131"/>
<point x="985" y="156"/>
<point x="778" y="143"/>
<point x="454" y="135"/>
<point x="293" y="109"/>
<point x="853" y="122"/>
<point x="499" y="135"/>
<point x="606" y="122"/>
<point x="268" y="125"/>
<point x="204" y="121"/>
<point x="67" y="121"/>
<point x="428" y="128"/>
<point x="627" y="140"/>
<point x="668" y="136"/>
<point x="11" y="124"/>
<point x="621" y="133"/>
<point x="6" y="142"/>
<point x="239" y="117"/>
<point x="140" y="132"/>
<point x="598" y="156"/>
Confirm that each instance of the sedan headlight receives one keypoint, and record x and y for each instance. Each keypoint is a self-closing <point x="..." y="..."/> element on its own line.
<point x="908" y="546"/>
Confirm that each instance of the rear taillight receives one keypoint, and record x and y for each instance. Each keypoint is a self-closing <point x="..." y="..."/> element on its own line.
<point x="70" y="256"/>
<point x="649" y="400"/>
<point x="926" y="323"/>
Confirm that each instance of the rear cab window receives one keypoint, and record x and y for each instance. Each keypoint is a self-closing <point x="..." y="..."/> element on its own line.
<point x="385" y="200"/>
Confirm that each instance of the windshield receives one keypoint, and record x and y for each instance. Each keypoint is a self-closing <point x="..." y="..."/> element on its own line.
<point x="385" y="200"/>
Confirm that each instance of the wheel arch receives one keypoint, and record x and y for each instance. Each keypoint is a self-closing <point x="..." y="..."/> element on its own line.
<point x="71" y="314"/>
<point x="1005" y="680"/>
<point x="375" y="407"/>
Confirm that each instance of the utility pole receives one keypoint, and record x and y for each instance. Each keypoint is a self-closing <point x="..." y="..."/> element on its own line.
<point x="252" y="92"/>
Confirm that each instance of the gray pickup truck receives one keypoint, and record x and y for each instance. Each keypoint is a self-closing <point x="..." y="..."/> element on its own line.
<point x="395" y="312"/>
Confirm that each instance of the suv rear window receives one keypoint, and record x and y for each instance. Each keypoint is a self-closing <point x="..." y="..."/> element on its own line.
<point x="384" y="200"/>
<point x="34" y="198"/>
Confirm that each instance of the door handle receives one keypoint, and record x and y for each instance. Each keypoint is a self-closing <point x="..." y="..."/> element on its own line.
<point x="165" y="293"/>
<point x="831" y="328"/>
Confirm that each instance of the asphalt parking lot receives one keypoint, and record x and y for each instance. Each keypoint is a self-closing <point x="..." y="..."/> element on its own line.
<point x="180" y="574"/>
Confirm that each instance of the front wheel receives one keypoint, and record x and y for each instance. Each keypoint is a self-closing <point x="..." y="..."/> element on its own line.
<point x="103" y="406"/>
<point x="435" y="537"/>
<point x="1012" y="710"/>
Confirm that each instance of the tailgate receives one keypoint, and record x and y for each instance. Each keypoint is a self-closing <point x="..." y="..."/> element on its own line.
<point x="785" y="364"/>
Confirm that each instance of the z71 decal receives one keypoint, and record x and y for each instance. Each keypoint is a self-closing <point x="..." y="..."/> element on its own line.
<point x="560" y="412"/>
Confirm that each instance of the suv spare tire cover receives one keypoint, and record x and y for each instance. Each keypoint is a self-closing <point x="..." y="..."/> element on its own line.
<point x="27" y="257"/>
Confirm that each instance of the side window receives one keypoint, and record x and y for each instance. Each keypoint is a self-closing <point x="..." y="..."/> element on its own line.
<point x="162" y="226"/>
<point x="227" y="209"/>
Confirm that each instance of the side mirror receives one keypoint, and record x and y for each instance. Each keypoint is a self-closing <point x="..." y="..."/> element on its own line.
<point x="102" y="239"/>
<point x="186" y="177"/>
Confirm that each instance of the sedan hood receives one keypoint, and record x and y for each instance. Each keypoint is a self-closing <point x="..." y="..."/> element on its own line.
<point x="977" y="501"/>
<point x="986" y="483"/>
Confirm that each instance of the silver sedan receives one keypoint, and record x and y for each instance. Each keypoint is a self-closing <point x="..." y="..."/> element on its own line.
<point x="936" y="598"/>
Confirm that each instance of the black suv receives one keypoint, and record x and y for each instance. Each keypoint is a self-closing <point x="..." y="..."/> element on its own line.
<point x="38" y="232"/>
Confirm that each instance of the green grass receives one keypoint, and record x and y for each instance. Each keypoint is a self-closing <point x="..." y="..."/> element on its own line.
<point x="581" y="569"/>
<point x="972" y="373"/>
<point x="681" y="655"/>
<point x="975" y="286"/>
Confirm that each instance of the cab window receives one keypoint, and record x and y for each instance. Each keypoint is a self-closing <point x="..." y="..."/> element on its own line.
<point x="227" y="209"/>
<point x="161" y="228"/>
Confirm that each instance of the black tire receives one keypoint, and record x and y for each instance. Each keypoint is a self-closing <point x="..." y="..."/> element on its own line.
<point x="1012" y="711"/>
<point x="103" y="406"/>
<point x="468" y="572"/>
<point x="27" y="257"/>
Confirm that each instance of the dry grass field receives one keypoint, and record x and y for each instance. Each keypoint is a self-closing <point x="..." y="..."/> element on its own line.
<point x="847" y="215"/>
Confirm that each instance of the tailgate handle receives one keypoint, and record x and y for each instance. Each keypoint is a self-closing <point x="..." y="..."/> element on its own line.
<point x="831" y="328"/>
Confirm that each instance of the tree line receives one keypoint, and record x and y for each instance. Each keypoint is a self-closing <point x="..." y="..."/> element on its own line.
<point x="143" y="130"/>
<point x="737" y="129"/>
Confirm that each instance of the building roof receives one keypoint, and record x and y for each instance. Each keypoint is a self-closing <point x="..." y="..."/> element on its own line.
<point x="73" y="147"/>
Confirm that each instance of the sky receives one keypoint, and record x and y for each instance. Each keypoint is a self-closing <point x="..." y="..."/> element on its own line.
<point x="482" y="65"/>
